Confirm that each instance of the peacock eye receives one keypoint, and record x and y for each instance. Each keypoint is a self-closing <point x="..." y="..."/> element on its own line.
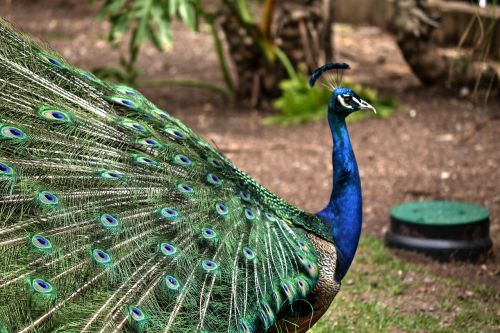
<point x="348" y="99"/>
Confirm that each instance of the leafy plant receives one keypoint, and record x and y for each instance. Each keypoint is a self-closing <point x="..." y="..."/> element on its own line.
<point x="148" y="20"/>
<point x="151" y="20"/>
<point x="299" y="103"/>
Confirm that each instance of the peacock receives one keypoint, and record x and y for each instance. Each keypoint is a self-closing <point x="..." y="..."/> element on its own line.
<point x="117" y="217"/>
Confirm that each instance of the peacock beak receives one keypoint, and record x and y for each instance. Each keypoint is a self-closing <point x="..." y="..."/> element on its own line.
<point x="365" y="105"/>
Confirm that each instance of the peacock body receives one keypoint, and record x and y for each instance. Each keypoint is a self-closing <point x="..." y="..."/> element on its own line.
<point x="115" y="216"/>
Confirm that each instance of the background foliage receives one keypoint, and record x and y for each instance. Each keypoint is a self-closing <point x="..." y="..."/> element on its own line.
<point x="148" y="20"/>
<point x="299" y="103"/>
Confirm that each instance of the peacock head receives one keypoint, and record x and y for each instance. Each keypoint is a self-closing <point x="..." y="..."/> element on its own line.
<point x="344" y="101"/>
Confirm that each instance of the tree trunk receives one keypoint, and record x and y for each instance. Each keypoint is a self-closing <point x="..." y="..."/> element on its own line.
<point x="256" y="76"/>
<point x="301" y="28"/>
<point x="414" y="23"/>
<point x="304" y="31"/>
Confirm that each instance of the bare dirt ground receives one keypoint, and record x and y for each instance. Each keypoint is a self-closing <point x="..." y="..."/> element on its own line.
<point x="438" y="147"/>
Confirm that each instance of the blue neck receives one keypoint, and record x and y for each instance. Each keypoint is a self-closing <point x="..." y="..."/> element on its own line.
<point x="343" y="214"/>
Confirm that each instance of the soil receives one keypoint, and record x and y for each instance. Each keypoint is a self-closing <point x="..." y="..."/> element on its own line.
<point x="439" y="146"/>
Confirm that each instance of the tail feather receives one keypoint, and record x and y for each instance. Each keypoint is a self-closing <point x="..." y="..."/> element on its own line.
<point x="115" y="216"/>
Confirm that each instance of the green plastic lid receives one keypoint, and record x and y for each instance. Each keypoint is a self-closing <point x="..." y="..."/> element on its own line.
<point x="437" y="213"/>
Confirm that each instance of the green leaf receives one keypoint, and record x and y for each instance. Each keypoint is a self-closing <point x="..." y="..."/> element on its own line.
<point x="172" y="7"/>
<point x="110" y="7"/>
<point x="162" y="20"/>
<point x="119" y="25"/>
<point x="242" y="6"/>
<point x="139" y="33"/>
<point x="188" y="14"/>
<point x="154" y="38"/>
<point x="148" y="20"/>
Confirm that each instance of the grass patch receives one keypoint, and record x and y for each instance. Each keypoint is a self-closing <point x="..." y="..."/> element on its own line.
<point x="384" y="294"/>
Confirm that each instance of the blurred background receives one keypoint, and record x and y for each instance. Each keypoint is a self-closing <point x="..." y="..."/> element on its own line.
<point x="236" y="72"/>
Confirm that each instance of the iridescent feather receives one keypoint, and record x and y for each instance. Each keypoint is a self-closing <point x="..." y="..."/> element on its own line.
<point x="115" y="216"/>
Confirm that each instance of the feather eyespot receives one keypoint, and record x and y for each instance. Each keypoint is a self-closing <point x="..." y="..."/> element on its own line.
<point x="57" y="115"/>
<point x="163" y="114"/>
<point x="171" y="283"/>
<point x="182" y="160"/>
<point x="41" y="243"/>
<point x="86" y="75"/>
<point x="221" y="209"/>
<point x="150" y="142"/>
<point x="215" y="163"/>
<point x="6" y="170"/>
<point x="135" y="126"/>
<point x="245" y="327"/>
<point x="268" y="309"/>
<point x="123" y="101"/>
<point x="41" y="286"/>
<point x="267" y="315"/>
<point x="245" y="196"/>
<point x="128" y="103"/>
<point x="209" y="266"/>
<point x="167" y="249"/>
<point x="111" y="174"/>
<point x="13" y="133"/>
<point x="214" y="179"/>
<point x="175" y="133"/>
<point x="54" y="115"/>
<point x="248" y="253"/>
<point x="270" y="216"/>
<point x="127" y="91"/>
<point x="136" y="314"/>
<point x="303" y="287"/>
<point x="312" y="269"/>
<point x="303" y="246"/>
<point x="185" y="189"/>
<point x="169" y="213"/>
<point x="208" y="233"/>
<point x="47" y="198"/>
<point x="278" y="301"/>
<point x="101" y="257"/>
<point x="249" y="213"/>
<point x="289" y="290"/>
<point x="54" y="62"/>
<point x="145" y="160"/>
<point x="109" y="221"/>
<point x="178" y="134"/>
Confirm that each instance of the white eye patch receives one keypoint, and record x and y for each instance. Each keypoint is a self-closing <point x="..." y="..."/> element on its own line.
<point x="344" y="104"/>
<point x="357" y="100"/>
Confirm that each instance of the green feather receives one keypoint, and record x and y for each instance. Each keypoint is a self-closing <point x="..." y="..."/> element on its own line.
<point x="115" y="216"/>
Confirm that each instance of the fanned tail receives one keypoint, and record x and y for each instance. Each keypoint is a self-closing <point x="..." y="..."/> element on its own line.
<point x="115" y="216"/>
